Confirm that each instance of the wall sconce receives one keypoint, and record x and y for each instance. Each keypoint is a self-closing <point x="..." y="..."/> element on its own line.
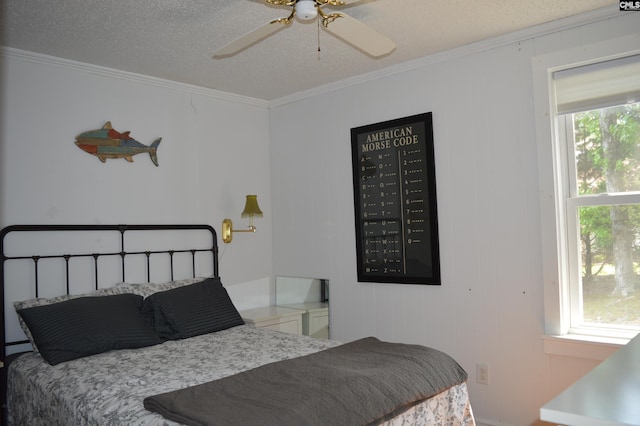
<point x="251" y="209"/>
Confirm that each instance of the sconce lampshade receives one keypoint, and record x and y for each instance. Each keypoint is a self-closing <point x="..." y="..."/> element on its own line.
<point x="251" y="207"/>
<point x="251" y="210"/>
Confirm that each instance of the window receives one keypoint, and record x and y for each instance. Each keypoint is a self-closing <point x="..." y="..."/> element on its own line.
<point x="589" y="153"/>
<point x="602" y="214"/>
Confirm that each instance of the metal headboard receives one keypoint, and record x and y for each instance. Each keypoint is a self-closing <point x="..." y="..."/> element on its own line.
<point x="122" y="252"/>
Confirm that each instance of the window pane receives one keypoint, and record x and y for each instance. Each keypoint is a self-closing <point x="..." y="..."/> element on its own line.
<point x="607" y="150"/>
<point x="610" y="266"/>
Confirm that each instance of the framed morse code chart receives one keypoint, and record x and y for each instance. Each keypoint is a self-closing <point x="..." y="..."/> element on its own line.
<point x="395" y="201"/>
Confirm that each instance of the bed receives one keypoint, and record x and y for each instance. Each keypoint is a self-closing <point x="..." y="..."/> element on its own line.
<point x="176" y="351"/>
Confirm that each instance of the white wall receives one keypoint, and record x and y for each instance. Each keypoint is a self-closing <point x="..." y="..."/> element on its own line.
<point x="489" y="308"/>
<point x="207" y="147"/>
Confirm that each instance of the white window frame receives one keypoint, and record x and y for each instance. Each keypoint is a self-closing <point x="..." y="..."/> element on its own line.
<point x="557" y="241"/>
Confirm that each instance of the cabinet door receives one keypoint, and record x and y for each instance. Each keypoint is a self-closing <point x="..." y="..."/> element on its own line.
<point x="317" y="324"/>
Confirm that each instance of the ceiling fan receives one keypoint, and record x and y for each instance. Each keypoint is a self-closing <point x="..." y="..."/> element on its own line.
<point x="342" y="26"/>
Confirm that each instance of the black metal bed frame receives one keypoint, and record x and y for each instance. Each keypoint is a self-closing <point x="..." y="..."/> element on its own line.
<point x="122" y="253"/>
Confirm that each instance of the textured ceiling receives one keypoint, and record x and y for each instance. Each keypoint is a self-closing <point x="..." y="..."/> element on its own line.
<point x="174" y="39"/>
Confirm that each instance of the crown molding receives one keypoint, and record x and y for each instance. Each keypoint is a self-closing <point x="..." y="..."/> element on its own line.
<point x="128" y="76"/>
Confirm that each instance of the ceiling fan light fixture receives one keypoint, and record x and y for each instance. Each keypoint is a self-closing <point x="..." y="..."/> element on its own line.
<point x="306" y="9"/>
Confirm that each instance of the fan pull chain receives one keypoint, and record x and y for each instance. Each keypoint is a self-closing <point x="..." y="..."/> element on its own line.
<point x="318" y="21"/>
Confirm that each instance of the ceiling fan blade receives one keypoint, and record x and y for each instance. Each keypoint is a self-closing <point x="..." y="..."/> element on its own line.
<point x="359" y="35"/>
<point x="251" y="38"/>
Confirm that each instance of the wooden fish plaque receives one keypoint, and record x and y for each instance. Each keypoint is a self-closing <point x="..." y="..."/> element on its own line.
<point x="109" y="143"/>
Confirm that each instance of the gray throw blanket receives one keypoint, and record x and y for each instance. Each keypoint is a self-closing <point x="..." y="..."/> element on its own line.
<point x="358" y="383"/>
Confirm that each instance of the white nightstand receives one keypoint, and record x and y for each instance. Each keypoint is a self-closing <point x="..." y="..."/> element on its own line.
<point x="275" y="318"/>
<point x="315" y="320"/>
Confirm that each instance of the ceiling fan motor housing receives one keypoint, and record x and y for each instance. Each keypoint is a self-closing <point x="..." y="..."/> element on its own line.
<point x="306" y="9"/>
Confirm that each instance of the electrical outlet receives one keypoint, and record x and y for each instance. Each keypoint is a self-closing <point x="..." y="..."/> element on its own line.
<point x="482" y="374"/>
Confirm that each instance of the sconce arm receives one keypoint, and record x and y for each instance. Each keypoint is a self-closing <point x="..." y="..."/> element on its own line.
<point x="227" y="230"/>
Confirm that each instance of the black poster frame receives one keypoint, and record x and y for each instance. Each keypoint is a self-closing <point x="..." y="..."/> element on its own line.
<point x="394" y="192"/>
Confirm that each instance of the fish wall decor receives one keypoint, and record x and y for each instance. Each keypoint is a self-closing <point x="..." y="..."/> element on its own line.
<point x="109" y="143"/>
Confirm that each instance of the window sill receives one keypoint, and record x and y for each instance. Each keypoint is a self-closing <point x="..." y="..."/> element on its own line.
<point x="580" y="346"/>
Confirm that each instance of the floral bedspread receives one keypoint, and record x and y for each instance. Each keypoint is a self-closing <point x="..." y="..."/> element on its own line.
<point x="108" y="389"/>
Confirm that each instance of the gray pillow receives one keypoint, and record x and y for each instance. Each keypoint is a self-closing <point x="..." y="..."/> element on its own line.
<point x="88" y="325"/>
<point x="188" y="311"/>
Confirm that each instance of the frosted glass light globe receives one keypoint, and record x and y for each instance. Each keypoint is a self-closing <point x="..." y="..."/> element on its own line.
<point x="306" y="9"/>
